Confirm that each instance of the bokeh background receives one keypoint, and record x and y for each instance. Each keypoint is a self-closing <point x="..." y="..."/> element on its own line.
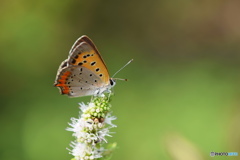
<point x="182" y="98"/>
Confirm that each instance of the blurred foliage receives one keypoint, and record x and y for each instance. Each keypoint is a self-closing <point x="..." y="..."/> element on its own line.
<point x="184" y="78"/>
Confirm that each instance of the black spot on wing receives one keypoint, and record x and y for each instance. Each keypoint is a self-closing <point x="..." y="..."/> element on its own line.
<point x="74" y="61"/>
<point x="93" y="63"/>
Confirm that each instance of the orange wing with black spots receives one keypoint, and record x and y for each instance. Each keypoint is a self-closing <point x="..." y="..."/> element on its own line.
<point x="84" y="53"/>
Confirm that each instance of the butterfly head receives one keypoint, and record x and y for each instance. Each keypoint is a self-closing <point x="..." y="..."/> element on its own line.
<point x="112" y="82"/>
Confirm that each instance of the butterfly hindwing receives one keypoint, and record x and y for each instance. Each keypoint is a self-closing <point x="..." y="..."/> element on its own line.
<point x="78" y="81"/>
<point x="84" y="82"/>
<point x="61" y="79"/>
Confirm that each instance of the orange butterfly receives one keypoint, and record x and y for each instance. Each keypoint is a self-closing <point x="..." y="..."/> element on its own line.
<point x="84" y="72"/>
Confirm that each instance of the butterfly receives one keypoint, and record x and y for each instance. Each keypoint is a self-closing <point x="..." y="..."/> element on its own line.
<point x="84" y="72"/>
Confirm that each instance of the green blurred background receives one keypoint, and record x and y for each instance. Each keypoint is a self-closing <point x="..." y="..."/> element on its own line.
<point x="182" y="98"/>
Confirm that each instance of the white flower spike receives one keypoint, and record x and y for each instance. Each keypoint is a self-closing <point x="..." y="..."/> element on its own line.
<point x="91" y="130"/>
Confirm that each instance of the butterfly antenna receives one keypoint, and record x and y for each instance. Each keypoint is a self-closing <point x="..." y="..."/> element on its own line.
<point x="121" y="69"/>
<point x="120" y="79"/>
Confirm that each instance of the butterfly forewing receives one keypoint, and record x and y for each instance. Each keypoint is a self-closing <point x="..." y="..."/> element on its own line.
<point x="83" y="38"/>
<point x="86" y="56"/>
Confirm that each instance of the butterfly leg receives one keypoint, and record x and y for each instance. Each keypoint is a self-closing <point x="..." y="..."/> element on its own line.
<point x="92" y="98"/>
<point x="109" y="94"/>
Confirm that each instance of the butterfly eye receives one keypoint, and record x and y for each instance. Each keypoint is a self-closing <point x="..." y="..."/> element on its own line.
<point x="112" y="82"/>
